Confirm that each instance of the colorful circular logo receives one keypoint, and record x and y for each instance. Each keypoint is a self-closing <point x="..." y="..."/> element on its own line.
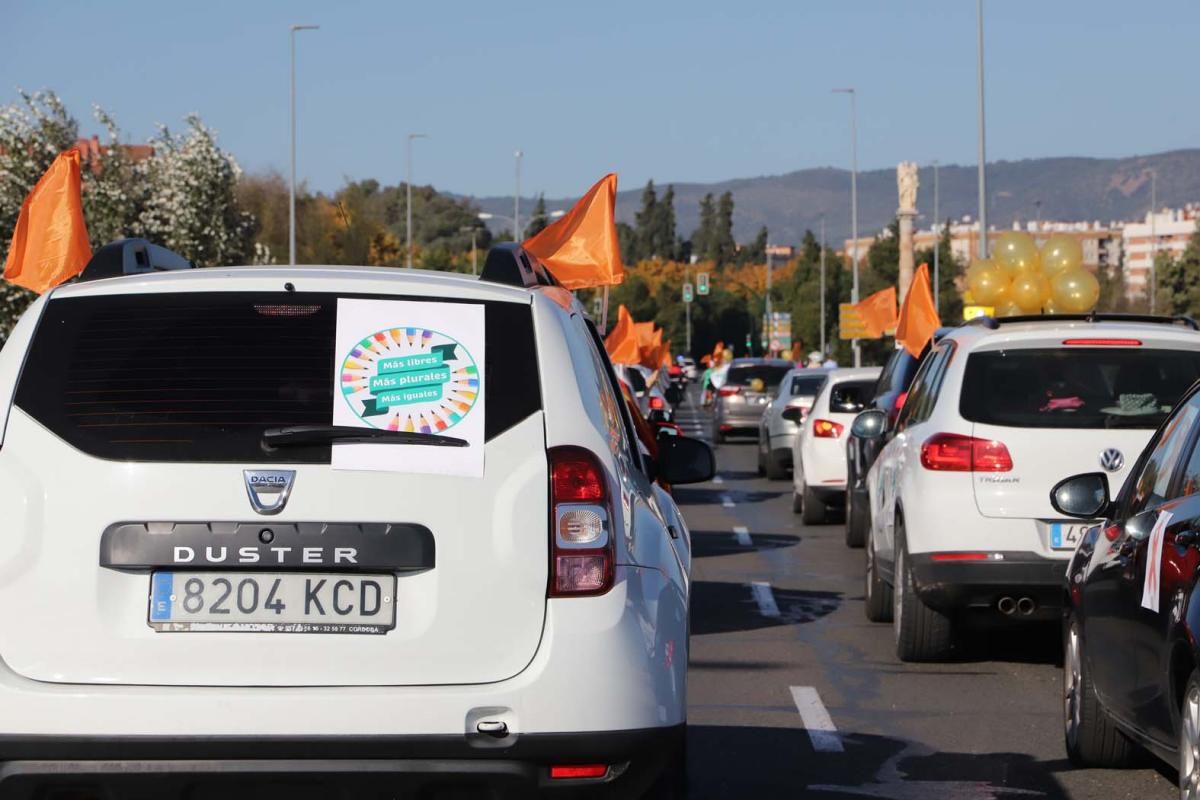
<point x="410" y="379"/>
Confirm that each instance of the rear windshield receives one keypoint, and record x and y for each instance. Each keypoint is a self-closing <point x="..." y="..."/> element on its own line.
<point x="636" y="379"/>
<point x="200" y="376"/>
<point x="1076" y="387"/>
<point x="806" y="385"/>
<point x="748" y="373"/>
<point x="850" y="397"/>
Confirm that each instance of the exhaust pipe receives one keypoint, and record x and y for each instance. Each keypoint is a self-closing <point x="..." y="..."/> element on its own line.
<point x="1007" y="606"/>
<point x="1026" y="606"/>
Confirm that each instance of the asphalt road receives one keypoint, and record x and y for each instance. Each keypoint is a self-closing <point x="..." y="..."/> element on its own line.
<point x="793" y="693"/>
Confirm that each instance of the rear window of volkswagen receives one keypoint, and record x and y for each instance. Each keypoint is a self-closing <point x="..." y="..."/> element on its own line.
<point x="198" y="377"/>
<point x="1076" y="387"/>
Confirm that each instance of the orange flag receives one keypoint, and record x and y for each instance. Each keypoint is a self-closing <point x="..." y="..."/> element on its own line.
<point x="622" y="340"/>
<point x="581" y="249"/>
<point x="50" y="243"/>
<point x="878" y="312"/>
<point x="918" y="316"/>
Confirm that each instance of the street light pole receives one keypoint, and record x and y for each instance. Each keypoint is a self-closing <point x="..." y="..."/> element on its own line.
<point x="823" y="351"/>
<point x="292" y="106"/>
<point x="474" y="231"/>
<point x="983" y="228"/>
<point x="408" y="247"/>
<point x="1153" y="240"/>
<point x="517" y="202"/>
<point x="937" y="243"/>
<point x="767" y="306"/>
<point x="853" y="204"/>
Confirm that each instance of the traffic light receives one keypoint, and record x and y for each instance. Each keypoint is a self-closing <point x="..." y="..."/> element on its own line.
<point x="702" y="283"/>
<point x="687" y="293"/>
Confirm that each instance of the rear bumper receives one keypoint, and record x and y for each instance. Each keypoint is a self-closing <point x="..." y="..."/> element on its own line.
<point x="961" y="585"/>
<point x="167" y="767"/>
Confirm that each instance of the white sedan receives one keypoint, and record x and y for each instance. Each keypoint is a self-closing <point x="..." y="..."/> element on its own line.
<point x="819" y="449"/>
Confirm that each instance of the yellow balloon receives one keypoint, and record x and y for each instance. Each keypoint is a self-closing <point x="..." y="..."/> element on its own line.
<point x="1016" y="252"/>
<point x="1029" y="292"/>
<point x="980" y="265"/>
<point x="1061" y="253"/>
<point x="1075" y="291"/>
<point x="1050" y="308"/>
<point x="1009" y="309"/>
<point x="989" y="287"/>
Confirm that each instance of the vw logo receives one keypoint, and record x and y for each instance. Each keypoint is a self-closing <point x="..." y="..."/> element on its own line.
<point x="1111" y="459"/>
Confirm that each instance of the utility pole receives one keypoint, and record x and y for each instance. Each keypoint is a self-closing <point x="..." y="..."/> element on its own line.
<point x="517" y="202"/>
<point x="687" y="310"/>
<point x="474" y="231"/>
<point x="853" y="204"/>
<point x="937" y="243"/>
<point x="983" y="227"/>
<point x="292" y="105"/>
<point x="408" y="260"/>
<point x="770" y="319"/>
<point x="1153" y="241"/>
<point x="823" y="351"/>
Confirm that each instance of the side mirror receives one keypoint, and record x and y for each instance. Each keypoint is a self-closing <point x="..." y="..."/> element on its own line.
<point x="870" y="424"/>
<point x="1082" y="496"/>
<point x="793" y="414"/>
<point x="684" y="460"/>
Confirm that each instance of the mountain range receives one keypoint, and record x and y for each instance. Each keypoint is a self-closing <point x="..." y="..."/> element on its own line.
<point x="1068" y="189"/>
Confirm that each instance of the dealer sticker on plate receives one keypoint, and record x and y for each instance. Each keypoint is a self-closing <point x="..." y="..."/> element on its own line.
<point x="281" y="602"/>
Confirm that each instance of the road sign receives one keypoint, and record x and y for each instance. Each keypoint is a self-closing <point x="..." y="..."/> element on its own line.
<point x="687" y="293"/>
<point x="850" y="323"/>
<point x="702" y="283"/>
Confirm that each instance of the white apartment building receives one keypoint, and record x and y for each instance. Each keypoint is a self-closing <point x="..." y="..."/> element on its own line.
<point x="1167" y="231"/>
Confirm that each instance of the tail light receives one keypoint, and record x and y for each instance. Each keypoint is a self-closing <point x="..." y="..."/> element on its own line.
<point x="576" y="772"/>
<point x="656" y="404"/>
<point x="726" y="391"/>
<point x="1102" y="342"/>
<point x="581" y="545"/>
<point x="953" y="452"/>
<point x="825" y="429"/>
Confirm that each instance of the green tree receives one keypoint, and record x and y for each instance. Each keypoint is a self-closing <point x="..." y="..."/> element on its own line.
<point x="722" y="247"/>
<point x="703" y="236"/>
<point x="646" y="224"/>
<point x="1179" y="280"/>
<point x="666" y="243"/>
<point x="537" y="220"/>
<point x="756" y="251"/>
<point x="627" y="241"/>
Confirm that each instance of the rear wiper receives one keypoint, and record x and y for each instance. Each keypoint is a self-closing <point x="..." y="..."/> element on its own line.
<point x="301" y="435"/>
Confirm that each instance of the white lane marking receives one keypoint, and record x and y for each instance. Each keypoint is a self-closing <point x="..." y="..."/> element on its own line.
<point x="727" y="501"/>
<point x="742" y="534"/>
<point x="718" y="479"/>
<point x="821" y="731"/>
<point x="765" y="599"/>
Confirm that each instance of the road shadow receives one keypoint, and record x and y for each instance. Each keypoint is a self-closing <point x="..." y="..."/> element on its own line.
<point x="709" y="544"/>
<point x="738" y="474"/>
<point x="1014" y="642"/>
<point x="688" y="496"/>
<point x="729" y="607"/>
<point x="760" y="762"/>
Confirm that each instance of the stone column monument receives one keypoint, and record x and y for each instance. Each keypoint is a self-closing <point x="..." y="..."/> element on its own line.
<point x="906" y="183"/>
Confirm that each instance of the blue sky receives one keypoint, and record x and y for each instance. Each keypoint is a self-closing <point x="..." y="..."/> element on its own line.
<point x="674" y="91"/>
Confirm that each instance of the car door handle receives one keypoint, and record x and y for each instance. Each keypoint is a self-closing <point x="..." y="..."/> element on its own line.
<point x="1188" y="538"/>
<point x="672" y="530"/>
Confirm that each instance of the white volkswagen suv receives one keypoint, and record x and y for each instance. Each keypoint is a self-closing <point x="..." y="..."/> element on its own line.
<point x="209" y="581"/>
<point x="960" y="516"/>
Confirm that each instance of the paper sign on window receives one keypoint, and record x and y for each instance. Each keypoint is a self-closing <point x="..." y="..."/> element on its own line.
<point x="415" y="367"/>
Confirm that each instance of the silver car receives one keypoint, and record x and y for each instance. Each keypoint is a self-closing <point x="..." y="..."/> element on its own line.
<point x="744" y="394"/>
<point x="798" y="389"/>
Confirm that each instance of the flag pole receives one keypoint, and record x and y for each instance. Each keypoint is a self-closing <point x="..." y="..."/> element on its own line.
<point x="604" y="312"/>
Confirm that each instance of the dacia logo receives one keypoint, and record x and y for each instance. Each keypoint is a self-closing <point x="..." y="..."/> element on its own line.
<point x="268" y="489"/>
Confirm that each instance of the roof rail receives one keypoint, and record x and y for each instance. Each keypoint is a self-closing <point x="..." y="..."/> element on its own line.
<point x="992" y="323"/>
<point x="131" y="257"/>
<point x="511" y="264"/>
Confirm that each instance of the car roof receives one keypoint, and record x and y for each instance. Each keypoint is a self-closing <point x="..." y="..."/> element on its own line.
<point x="1043" y="331"/>
<point x="767" y="362"/>
<point x="853" y="373"/>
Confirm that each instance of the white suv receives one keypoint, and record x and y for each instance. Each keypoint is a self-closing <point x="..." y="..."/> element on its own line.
<point x="960" y="516"/>
<point x="197" y="594"/>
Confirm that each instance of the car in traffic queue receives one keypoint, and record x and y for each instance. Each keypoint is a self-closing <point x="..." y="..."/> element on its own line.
<point x="888" y="396"/>
<point x="1132" y="622"/>
<point x="648" y="394"/>
<point x="231" y="588"/>
<point x="743" y="395"/>
<point x="1001" y="409"/>
<point x="690" y="370"/>
<point x="819" y="448"/>
<point x="776" y="432"/>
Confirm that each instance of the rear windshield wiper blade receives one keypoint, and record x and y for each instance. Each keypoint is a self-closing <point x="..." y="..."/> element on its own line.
<point x="301" y="435"/>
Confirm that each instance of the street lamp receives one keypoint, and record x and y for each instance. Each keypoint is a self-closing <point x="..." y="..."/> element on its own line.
<point x="853" y="202"/>
<point x="983" y="227"/>
<point x="292" y="104"/>
<point x="937" y="242"/>
<point x="474" y="231"/>
<point x="408" y="198"/>
<point x="516" y="217"/>
<point x="1153" y="240"/>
